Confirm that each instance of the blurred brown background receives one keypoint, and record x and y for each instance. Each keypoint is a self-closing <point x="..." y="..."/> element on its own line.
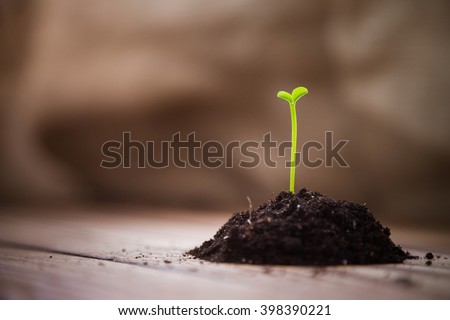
<point x="74" y="74"/>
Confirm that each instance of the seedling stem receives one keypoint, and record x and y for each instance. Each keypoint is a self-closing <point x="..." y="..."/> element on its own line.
<point x="297" y="93"/>
<point x="293" y="147"/>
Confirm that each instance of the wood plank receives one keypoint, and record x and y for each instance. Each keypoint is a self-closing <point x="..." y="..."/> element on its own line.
<point x="137" y="255"/>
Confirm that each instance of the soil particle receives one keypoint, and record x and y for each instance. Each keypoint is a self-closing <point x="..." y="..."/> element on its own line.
<point x="306" y="228"/>
<point x="407" y="282"/>
<point x="428" y="263"/>
<point x="429" y="256"/>
<point x="167" y="261"/>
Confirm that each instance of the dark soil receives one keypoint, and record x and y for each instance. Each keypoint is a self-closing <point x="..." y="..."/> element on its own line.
<point x="307" y="228"/>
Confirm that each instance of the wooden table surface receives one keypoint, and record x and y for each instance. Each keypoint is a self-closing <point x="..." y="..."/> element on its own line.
<point x="138" y="254"/>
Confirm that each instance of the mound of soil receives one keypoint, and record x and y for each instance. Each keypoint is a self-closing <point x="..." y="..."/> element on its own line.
<point x="306" y="228"/>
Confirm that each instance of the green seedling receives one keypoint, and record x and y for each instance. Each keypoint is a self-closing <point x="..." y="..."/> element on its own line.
<point x="297" y="93"/>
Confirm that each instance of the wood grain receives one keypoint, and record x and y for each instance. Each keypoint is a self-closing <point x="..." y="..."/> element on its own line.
<point x="139" y="254"/>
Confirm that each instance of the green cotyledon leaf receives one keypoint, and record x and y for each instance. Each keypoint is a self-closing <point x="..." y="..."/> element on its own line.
<point x="299" y="92"/>
<point x="284" y="95"/>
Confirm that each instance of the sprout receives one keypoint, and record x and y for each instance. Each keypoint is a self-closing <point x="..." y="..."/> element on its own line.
<point x="297" y="93"/>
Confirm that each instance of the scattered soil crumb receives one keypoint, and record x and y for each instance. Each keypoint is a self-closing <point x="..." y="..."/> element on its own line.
<point x="318" y="271"/>
<point x="167" y="261"/>
<point x="407" y="282"/>
<point x="51" y="257"/>
<point x="429" y="256"/>
<point x="428" y="263"/>
<point x="267" y="270"/>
